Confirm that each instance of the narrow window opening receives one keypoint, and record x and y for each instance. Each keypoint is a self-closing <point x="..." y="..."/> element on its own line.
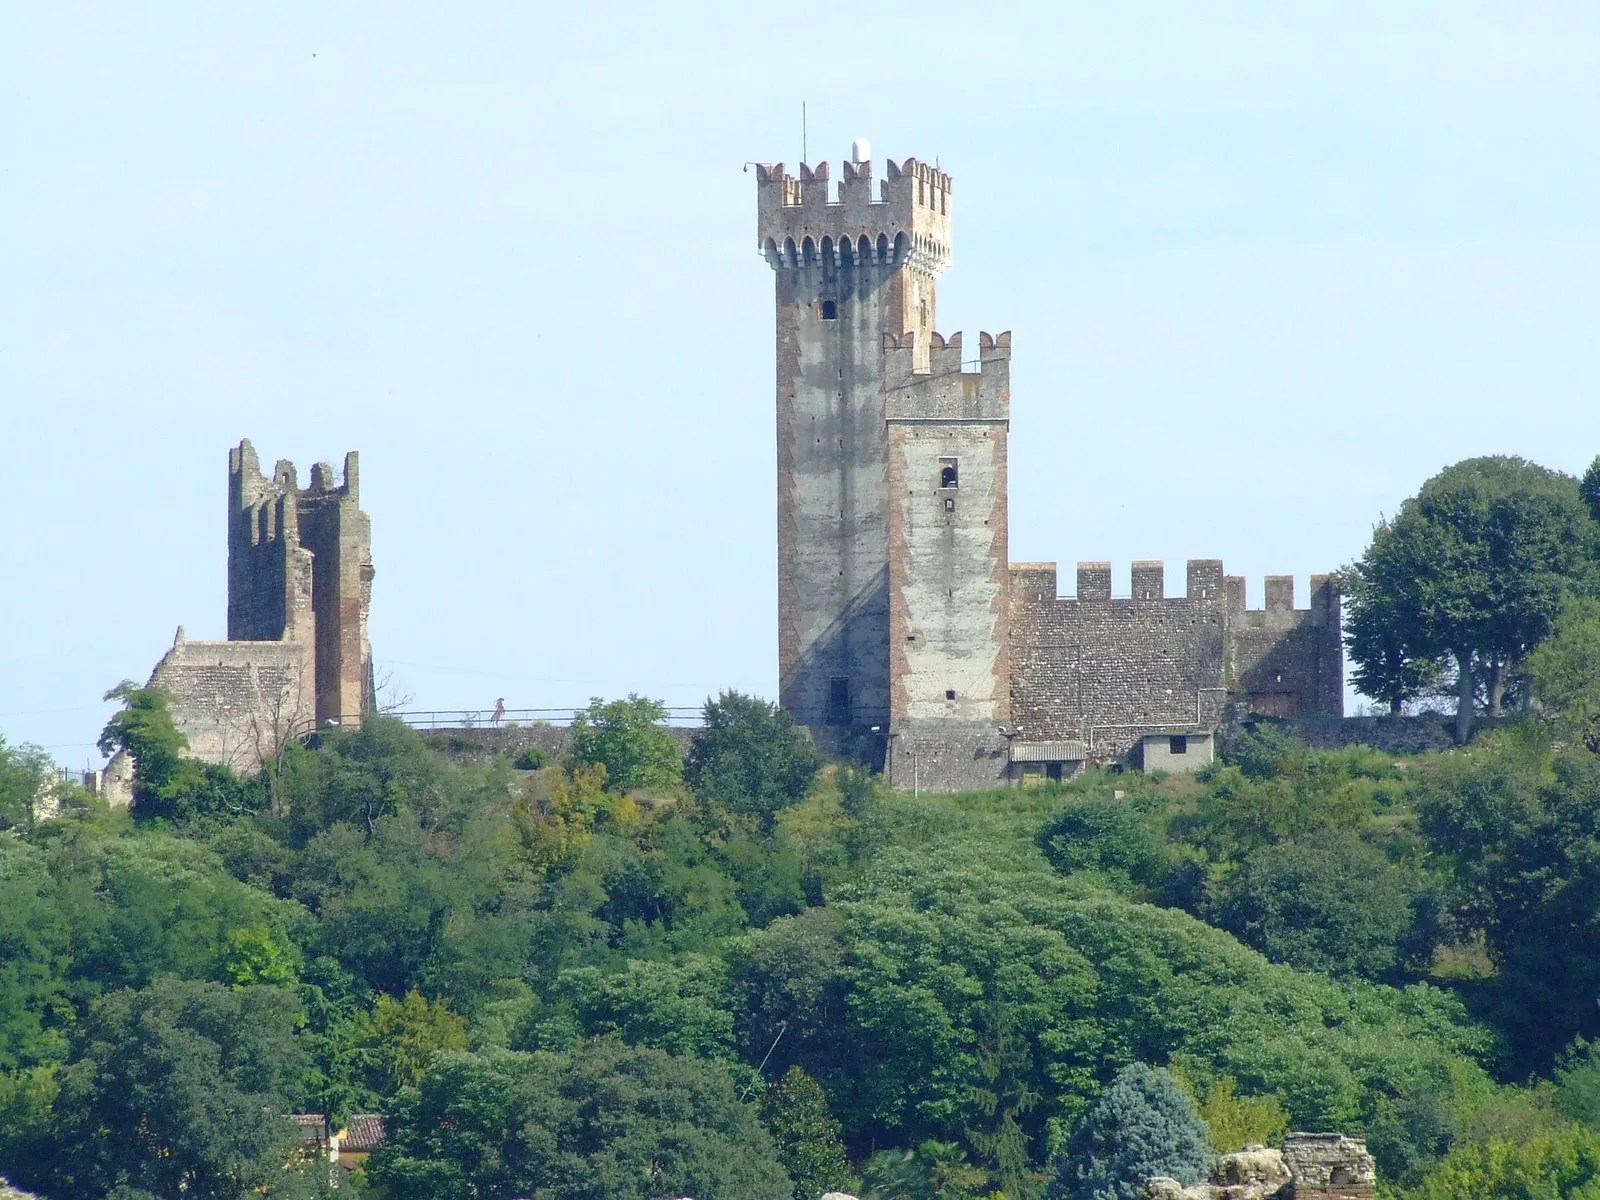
<point x="830" y="310"/>
<point x="950" y="505"/>
<point x="950" y="693"/>
<point x="1180" y="745"/>
<point x="838" y="701"/>
<point x="949" y="472"/>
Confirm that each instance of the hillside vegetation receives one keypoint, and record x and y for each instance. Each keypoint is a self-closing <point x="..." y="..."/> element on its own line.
<point x="752" y="975"/>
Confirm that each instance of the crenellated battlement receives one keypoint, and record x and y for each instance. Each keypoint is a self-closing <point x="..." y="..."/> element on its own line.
<point x="803" y="222"/>
<point x="1280" y="599"/>
<point x="954" y="386"/>
<point x="1146" y="577"/>
<point x="265" y="510"/>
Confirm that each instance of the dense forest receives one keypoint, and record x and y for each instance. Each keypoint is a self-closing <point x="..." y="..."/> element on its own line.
<point x="741" y="973"/>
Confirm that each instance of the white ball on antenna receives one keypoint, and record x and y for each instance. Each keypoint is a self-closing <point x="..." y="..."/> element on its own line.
<point x="860" y="151"/>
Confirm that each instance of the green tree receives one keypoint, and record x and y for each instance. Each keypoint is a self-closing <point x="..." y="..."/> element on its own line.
<point x="1565" y="670"/>
<point x="1577" y="1078"/>
<point x="398" y="1039"/>
<point x="808" y="1137"/>
<point x="628" y="737"/>
<point x="1233" y="1121"/>
<point x="1389" y="661"/>
<point x="359" y="776"/>
<point x="1563" y="1165"/>
<point x="673" y="1006"/>
<point x="1473" y="568"/>
<point x="605" y="1122"/>
<point x="25" y="773"/>
<point x="1143" y="1124"/>
<point x="933" y="1171"/>
<point x="1294" y="902"/>
<point x="1589" y="488"/>
<point x="1518" y="831"/>
<point x="178" y="1089"/>
<point x="1110" y="836"/>
<point x="166" y="784"/>
<point x="750" y="758"/>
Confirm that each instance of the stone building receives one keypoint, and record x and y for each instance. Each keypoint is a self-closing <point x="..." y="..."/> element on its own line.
<point x="901" y="618"/>
<point x="297" y="655"/>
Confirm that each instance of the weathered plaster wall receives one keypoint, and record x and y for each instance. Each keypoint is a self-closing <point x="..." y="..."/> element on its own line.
<point x="948" y="576"/>
<point x="1157" y="753"/>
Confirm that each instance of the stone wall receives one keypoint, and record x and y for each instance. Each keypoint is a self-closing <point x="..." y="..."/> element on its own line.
<point x="1285" y="661"/>
<point x="1104" y="670"/>
<point x="236" y="702"/>
<point x="300" y="570"/>
<point x="943" y="754"/>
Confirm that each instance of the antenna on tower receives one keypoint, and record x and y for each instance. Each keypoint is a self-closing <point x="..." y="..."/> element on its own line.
<point x="803" y="155"/>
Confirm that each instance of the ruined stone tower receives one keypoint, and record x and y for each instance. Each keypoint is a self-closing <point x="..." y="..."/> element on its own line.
<point x="297" y="656"/>
<point x="891" y="457"/>
<point x="300" y="571"/>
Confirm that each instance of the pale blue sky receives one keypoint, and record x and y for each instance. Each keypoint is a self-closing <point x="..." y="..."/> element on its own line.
<point x="1268" y="266"/>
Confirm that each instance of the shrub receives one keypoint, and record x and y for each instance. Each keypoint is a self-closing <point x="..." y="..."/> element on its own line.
<point x="1142" y="1125"/>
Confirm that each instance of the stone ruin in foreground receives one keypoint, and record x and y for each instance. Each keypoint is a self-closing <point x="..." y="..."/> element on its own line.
<point x="1311" y="1166"/>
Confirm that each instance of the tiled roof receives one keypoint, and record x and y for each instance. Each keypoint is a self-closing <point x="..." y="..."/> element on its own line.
<point x="363" y="1134"/>
<point x="309" y="1125"/>
<point x="1047" y="752"/>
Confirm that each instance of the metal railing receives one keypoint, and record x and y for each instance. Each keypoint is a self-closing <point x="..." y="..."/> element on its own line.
<point x="486" y="718"/>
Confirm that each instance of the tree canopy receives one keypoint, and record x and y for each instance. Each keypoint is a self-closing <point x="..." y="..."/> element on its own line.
<point x="1470" y="573"/>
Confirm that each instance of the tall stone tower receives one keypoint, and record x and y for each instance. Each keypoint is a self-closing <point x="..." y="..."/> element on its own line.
<point x="300" y="571"/>
<point x="892" y="575"/>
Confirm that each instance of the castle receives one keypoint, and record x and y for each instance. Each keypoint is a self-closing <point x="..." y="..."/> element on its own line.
<point x="901" y="618"/>
<point x="299" y="590"/>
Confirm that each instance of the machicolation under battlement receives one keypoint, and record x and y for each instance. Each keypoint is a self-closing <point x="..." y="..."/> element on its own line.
<point x="899" y="612"/>
<point x="799" y="221"/>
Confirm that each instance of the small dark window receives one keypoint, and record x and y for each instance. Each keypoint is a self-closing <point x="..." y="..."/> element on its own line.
<point x="838" y="701"/>
<point x="949" y="473"/>
<point x="950" y="693"/>
<point x="1179" y="745"/>
<point x="830" y="310"/>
